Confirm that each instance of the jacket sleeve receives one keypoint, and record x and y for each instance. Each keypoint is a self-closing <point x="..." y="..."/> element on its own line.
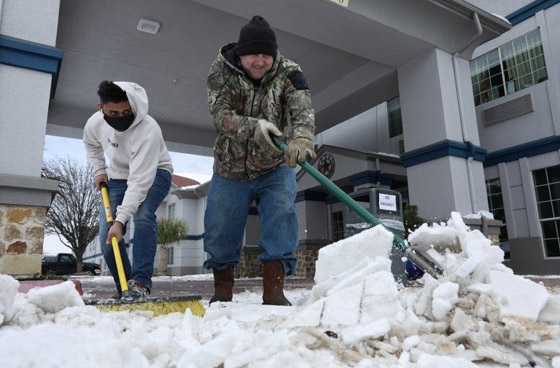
<point x="301" y="116"/>
<point x="94" y="149"/>
<point x="221" y="100"/>
<point x="143" y="165"/>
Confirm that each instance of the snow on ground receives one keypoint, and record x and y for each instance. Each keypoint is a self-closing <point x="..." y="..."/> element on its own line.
<point x="479" y="314"/>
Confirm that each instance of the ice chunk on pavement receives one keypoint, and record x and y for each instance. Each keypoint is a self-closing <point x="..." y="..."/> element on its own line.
<point x="353" y="276"/>
<point x="410" y="342"/>
<point x="480" y="214"/>
<point x="491" y="256"/>
<point x="310" y="316"/>
<point x="551" y="311"/>
<point x="380" y="298"/>
<point x="431" y="361"/>
<point x="346" y="253"/>
<point x="342" y="308"/>
<point x="406" y="324"/>
<point x="437" y="236"/>
<point x="468" y="266"/>
<point x="55" y="298"/>
<point x="371" y="330"/>
<point x="475" y="243"/>
<point x="523" y="298"/>
<point x="443" y="299"/>
<point x="8" y="291"/>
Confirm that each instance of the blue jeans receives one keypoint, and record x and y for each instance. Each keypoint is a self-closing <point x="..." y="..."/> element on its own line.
<point x="226" y="216"/>
<point x="145" y="229"/>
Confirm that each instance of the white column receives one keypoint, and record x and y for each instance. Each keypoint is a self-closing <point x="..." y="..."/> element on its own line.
<point x="27" y="30"/>
<point x="442" y="182"/>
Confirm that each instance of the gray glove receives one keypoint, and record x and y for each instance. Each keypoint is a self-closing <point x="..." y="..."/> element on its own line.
<point x="262" y="134"/>
<point x="298" y="149"/>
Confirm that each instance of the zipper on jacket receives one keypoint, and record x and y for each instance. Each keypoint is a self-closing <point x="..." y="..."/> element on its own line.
<point x="255" y="89"/>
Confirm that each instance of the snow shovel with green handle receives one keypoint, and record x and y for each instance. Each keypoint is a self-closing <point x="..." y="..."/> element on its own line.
<point x="418" y="259"/>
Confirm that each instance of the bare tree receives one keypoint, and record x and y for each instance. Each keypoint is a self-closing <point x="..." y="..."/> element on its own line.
<point x="169" y="230"/>
<point x="73" y="215"/>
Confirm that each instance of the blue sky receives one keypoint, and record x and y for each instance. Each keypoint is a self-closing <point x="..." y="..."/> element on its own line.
<point x="193" y="166"/>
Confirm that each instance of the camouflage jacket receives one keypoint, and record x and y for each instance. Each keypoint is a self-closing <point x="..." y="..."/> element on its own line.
<point x="283" y="98"/>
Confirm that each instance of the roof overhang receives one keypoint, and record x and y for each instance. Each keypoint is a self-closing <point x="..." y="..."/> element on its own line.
<point x="350" y="55"/>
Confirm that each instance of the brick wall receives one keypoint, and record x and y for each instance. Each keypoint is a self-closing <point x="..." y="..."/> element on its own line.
<point x="22" y="230"/>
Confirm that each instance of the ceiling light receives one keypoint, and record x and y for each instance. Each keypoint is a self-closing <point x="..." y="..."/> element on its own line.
<point x="148" y="26"/>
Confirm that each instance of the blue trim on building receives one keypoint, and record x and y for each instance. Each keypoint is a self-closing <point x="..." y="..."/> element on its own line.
<point x="194" y="237"/>
<point x="529" y="149"/>
<point x="31" y="55"/>
<point x="442" y="149"/>
<point x="311" y="195"/>
<point x="371" y="177"/>
<point x="529" y="10"/>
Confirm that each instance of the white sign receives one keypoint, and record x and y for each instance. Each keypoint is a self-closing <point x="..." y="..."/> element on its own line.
<point x="341" y="2"/>
<point x="388" y="202"/>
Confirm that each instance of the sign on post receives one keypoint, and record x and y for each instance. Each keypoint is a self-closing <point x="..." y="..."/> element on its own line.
<point x="388" y="202"/>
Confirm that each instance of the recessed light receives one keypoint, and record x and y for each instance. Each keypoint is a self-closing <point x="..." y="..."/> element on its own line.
<point x="148" y="26"/>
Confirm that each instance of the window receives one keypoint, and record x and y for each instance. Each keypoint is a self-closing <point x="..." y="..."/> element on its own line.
<point x="547" y="188"/>
<point x="395" y="119"/>
<point x="171" y="211"/>
<point x="496" y="206"/>
<point x="512" y="67"/>
<point x="170" y="254"/>
<point x="337" y="226"/>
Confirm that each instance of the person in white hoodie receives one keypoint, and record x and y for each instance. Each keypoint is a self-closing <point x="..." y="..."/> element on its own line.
<point x="138" y="177"/>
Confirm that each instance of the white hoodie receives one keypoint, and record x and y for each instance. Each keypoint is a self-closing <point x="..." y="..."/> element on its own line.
<point x="134" y="155"/>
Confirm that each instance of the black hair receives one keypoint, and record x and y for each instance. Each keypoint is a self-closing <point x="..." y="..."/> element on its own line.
<point x="110" y="92"/>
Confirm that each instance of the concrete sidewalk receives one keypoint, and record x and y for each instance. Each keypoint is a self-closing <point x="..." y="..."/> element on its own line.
<point x="96" y="287"/>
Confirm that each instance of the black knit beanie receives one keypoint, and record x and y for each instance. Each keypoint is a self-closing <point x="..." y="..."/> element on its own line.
<point x="256" y="37"/>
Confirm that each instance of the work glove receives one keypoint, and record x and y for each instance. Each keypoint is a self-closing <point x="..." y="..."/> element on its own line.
<point x="262" y="134"/>
<point x="298" y="149"/>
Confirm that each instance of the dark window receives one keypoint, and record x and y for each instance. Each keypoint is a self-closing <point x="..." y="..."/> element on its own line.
<point x="395" y="119"/>
<point x="547" y="190"/>
<point x="512" y="67"/>
<point x="337" y="226"/>
<point x="170" y="255"/>
<point x="496" y="206"/>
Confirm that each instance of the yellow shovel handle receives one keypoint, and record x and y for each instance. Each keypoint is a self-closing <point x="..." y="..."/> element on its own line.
<point x="114" y="241"/>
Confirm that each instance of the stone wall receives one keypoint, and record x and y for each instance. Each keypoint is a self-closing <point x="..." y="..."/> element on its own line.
<point x="306" y="254"/>
<point x="21" y="239"/>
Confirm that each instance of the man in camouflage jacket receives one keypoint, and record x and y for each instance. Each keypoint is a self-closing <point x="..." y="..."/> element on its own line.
<point x="253" y="92"/>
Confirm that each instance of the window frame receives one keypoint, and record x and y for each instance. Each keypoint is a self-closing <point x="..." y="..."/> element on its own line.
<point x="493" y="209"/>
<point x="171" y="210"/>
<point x="170" y="256"/>
<point x="477" y="80"/>
<point x="554" y="218"/>
<point x="337" y="228"/>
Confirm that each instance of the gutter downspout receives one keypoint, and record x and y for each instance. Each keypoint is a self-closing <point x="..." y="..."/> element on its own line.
<point x="474" y="204"/>
<point x="378" y="168"/>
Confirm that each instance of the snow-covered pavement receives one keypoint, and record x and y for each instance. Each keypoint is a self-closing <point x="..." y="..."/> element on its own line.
<point x="478" y="315"/>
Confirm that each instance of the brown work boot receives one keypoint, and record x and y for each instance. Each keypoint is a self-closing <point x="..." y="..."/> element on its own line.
<point x="223" y="285"/>
<point x="273" y="283"/>
<point x="137" y="290"/>
<point x="117" y="295"/>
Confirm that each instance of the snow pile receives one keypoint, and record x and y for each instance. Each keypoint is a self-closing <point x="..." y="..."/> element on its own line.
<point x="479" y="310"/>
<point x="478" y="313"/>
<point x="8" y="291"/>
